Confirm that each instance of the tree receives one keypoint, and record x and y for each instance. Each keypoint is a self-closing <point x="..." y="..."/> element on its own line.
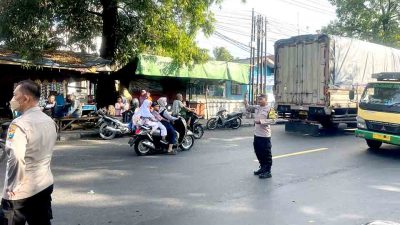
<point x="372" y="20"/>
<point x="127" y="27"/>
<point x="222" y="54"/>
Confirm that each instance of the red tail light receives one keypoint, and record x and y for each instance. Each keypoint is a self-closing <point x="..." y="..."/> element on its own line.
<point x="137" y="131"/>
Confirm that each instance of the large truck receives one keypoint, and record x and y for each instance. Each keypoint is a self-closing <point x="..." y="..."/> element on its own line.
<point x="378" y="119"/>
<point x="319" y="78"/>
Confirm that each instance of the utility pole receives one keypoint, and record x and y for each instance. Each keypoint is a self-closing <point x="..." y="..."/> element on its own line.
<point x="261" y="54"/>
<point x="252" y="57"/>
<point x="251" y="63"/>
<point x="258" y="56"/>
<point x="266" y="54"/>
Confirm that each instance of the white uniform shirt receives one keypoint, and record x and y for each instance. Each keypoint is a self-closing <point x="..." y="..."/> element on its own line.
<point x="263" y="129"/>
<point x="29" y="146"/>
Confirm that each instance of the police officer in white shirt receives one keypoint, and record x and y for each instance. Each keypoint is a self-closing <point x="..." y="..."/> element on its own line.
<point x="262" y="134"/>
<point x="30" y="140"/>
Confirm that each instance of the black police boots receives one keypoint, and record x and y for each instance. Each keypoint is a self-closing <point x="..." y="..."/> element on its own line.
<point x="265" y="175"/>
<point x="261" y="170"/>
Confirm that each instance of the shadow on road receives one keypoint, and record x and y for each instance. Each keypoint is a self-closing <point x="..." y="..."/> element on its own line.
<point x="386" y="151"/>
<point x="341" y="131"/>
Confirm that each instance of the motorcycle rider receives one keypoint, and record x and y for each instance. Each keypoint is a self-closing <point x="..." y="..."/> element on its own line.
<point x="168" y="119"/>
<point x="179" y="109"/>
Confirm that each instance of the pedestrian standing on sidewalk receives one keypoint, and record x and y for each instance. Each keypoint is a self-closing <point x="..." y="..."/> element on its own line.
<point x="262" y="135"/>
<point x="28" y="185"/>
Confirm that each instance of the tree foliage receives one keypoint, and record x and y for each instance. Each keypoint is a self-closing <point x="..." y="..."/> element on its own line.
<point x="127" y="27"/>
<point x="222" y="54"/>
<point x="373" y="20"/>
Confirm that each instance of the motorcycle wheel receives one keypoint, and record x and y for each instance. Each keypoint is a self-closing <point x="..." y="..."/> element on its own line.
<point x="198" y="131"/>
<point x="212" y="124"/>
<point x="140" y="148"/>
<point x="2" y="151"/>
<point x="106" y="134"/>
<point x="236" y="123"/>
<point x="187" y="143"/>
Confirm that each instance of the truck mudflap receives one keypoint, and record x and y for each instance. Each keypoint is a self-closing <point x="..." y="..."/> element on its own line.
<point x="372" y="135"/>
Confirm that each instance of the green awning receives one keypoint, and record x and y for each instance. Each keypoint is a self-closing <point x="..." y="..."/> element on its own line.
<point x="149" y="65"/>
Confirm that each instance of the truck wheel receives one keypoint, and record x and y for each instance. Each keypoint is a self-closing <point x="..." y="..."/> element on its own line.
<point x="329" y="125"/>
<point x="374" y="145"/>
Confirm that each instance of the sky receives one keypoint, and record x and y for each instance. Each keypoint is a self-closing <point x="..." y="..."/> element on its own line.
<point x="286" y="18"/>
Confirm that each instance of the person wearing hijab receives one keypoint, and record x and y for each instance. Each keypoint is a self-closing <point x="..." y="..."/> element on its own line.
<point x="160" y="107"/>
<point x="148" y="119"/>
<point x="159" y="119"/>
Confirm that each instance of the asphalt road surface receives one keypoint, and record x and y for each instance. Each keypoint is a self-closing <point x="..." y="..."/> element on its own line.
<point x="331" y="179"/>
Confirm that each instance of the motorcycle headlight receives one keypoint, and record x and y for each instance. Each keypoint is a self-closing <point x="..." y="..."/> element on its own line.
<point x="361" y="123"/>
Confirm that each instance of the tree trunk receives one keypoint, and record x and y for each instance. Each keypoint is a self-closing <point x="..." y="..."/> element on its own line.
<point x="110" y="28"/>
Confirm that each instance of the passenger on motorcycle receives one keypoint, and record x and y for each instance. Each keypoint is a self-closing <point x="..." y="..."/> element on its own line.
<point x="161" y="108"/>
<point x="147" y="118"/>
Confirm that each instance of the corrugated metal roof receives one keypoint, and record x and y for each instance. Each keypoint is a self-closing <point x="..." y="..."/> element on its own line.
<point x="84" y="63"/>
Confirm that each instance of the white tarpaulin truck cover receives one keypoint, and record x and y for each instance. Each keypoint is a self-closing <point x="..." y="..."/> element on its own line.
<point x="355" y="61"/>
<point x="307" y="67"/>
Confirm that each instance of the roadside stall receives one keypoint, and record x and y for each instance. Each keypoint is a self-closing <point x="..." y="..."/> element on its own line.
<point x="59" y="74"/>
<point x="204" y="84"/>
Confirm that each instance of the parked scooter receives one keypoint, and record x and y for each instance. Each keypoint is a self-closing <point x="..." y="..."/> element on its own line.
<point x="3" y="136"/>
<point x="111" y="127"/>
<point x="222" y="120"/>
<point x="145" y="144"/>
<point x="195" y="126"/>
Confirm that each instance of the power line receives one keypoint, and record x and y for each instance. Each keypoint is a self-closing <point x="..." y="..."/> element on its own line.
<point x="239" y="21"/>
<point x="308" y="7"/>
<point x="233" y="17"/>
<point x="232" y="41"/>
<point x="239" y="30"/>
<point x="233" y="31"/>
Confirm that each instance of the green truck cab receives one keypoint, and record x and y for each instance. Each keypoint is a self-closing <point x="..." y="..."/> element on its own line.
<point x="378" y="116"/>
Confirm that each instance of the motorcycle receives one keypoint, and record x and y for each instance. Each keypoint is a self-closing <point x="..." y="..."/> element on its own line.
<point x="222" y="119"/>
<point x="146" y="144"/>
<point x="3" y="136"/>
<point x="110" y="127"/>
<point x="195" y="126"/>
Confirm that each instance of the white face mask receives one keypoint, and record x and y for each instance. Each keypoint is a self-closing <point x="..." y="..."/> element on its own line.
<point x="14" y="105"/>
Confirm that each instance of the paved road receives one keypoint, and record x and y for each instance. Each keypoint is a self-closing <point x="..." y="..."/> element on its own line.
<point x="338" y="182"/>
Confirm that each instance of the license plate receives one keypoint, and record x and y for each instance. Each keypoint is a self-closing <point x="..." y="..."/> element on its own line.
<point x="304" y="113"/>
<point x="381" y="137"/>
